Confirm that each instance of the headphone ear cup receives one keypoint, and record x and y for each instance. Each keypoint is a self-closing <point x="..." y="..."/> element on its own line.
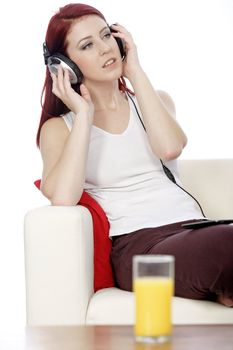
<point x="76" y="76"/>
<point x="120" y="44"/>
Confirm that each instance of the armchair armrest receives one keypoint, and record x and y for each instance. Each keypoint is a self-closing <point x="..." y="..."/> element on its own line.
<point x="58" y="264"/>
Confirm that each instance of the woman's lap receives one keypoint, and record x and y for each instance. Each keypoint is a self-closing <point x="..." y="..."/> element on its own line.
<point x="203" y="258"/>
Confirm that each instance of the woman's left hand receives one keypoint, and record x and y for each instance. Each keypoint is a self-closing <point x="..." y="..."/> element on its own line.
<point x="131" y="61"/>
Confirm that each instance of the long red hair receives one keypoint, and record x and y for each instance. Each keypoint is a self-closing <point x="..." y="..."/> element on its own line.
<point x="55" y="39"/>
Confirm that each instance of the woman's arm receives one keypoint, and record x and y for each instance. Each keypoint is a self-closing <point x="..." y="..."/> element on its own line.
<point x="158" y="112"/>
<point x="64" y="154"/>
<point x="64" y="157"/>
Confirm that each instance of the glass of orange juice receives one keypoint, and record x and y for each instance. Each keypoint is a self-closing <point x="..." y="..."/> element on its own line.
<point x="153" y="286"/>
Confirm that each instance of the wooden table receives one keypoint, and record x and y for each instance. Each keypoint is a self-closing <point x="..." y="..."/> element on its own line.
<point x="115" y="338"/>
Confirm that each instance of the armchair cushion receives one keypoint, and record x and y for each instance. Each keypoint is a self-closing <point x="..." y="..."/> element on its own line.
<point x="103" y="275"/>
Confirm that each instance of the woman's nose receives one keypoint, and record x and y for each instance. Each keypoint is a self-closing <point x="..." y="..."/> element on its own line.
<point x="104" y="48"/>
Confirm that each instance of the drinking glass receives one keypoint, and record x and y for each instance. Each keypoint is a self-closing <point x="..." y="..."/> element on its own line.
<point x="153" y="285"/>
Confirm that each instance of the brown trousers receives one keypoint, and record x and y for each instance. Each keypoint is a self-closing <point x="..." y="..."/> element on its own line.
<point x="203" y="258"/>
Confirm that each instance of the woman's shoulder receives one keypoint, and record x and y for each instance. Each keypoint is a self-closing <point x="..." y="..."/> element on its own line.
<point x="165" y="95"/>
<point x="54" y="123"/>
<point x="54" y="128"/>
<point x="168" y="101"/>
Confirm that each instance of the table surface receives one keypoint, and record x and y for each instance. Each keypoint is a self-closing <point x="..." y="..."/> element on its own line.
<point x="198" y="337"/>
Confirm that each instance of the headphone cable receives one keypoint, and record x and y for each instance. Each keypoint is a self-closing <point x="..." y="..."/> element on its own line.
<point x="166" y="170"/>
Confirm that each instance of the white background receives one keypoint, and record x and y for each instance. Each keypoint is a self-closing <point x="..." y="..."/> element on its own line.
<point x="185" y="46"/>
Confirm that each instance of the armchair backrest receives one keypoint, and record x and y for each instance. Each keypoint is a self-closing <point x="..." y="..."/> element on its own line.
<point x="210" y="181"/>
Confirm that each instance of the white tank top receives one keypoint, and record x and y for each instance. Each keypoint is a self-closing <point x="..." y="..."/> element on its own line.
<point x="125" y="177"/>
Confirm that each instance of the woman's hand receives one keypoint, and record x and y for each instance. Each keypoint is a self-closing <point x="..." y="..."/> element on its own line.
<point x="131" y="62"/>
<point x="64" y="91"/>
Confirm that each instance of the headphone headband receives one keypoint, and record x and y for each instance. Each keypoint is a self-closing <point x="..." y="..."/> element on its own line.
<point x="46" y="53"/>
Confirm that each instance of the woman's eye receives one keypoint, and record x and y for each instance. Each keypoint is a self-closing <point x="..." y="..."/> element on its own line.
<point x="86" y="46"/>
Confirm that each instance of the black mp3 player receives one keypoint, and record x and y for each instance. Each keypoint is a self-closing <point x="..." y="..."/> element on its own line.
<point x="205" y="223"/>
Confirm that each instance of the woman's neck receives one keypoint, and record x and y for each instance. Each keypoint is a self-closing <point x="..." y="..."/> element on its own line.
<point x="106" y="96"/>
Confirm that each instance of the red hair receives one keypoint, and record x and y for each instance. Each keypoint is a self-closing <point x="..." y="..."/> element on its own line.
<point x="57" y="31"/>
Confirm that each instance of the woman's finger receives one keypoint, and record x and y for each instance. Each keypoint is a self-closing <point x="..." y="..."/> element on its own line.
<point x="67" y="84"/>
<point x="60" y="80"/>
<point x="85" y="93"/>
<point x="119" y="28"/>
<point x="55" y="90"/>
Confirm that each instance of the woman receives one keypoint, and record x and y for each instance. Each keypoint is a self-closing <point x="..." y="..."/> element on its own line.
<point x="91" y="138"/>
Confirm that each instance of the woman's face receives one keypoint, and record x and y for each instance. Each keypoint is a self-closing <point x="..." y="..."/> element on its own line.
<point x="91" y="46"/>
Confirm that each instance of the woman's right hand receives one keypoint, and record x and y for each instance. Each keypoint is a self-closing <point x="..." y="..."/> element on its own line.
<point x="63" y="90"/>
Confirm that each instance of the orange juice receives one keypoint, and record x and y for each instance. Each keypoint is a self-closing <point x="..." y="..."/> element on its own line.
<point x="153" y="297"/>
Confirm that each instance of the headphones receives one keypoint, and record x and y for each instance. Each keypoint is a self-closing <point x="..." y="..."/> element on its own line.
<point x="76" y="76"/>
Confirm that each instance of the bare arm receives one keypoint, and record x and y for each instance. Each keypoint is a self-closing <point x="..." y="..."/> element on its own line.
<point x="64" y="153"/>
<point x="64" y="157"/>
<point x="158" y="111"/>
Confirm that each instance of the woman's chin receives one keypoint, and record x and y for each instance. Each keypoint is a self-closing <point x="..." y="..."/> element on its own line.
<point x="114" y="72"/>
<point x="105" y="77"/>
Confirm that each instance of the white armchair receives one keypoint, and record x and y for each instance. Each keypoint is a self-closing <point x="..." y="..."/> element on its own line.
<point x="59" y="259"/>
